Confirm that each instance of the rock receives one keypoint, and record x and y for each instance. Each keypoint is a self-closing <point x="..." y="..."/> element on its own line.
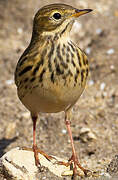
<point x="26" y="115"/>
<point x="77" y="26"/>
<point x="87" y="135"/>
<point x="99" y="31"/>
<point x="90" y="82"/>
<point x="102" y="86"/>
<point x="18" y="164"/>
<point x="20" y="30"/>
<point x="64" y="131"/>
<point x="9" y="81"/>
<point x="112" y="67"/>
<point x="88" y="50"/>
<point x="110" y="51"/>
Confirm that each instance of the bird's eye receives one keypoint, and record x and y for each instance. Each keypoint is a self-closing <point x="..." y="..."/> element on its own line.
<point x="57" y="16"/>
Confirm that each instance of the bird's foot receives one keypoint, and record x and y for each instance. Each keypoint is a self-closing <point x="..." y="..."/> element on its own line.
<point x="37" y="150"/>
<point x="74" y="161"/>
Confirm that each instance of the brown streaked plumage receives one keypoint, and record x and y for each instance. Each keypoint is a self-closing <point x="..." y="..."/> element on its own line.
<point x="51" y="74"/>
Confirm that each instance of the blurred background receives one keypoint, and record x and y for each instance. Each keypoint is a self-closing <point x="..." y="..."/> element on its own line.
<point x="95" y="116"/>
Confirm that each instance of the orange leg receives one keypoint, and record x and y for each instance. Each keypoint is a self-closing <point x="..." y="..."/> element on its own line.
<point x="35" y="149"/>
<point x="34" y="119"/>
<point x="74" y="158"/>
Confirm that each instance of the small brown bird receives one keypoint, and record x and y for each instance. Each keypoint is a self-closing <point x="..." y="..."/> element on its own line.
<point x="51" y="74"/>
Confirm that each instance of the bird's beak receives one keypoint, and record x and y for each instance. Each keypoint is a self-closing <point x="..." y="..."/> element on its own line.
<point x="79" y="12"/>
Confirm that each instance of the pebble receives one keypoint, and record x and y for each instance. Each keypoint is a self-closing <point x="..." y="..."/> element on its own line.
<point x="104" y="94"/>
<point x="26" y="115"/>
<point x="9" y="82"/>
<point x="84" y="130"/>
<point x="43" y="177"/>
<point x="112" y="67"/>
<point x="98" y="31"/>
<point x="91" y="136"/>
<point x="88" y="50"/>
<point x="64" y="131"/>
<point x="102" y="86"/>
<point x="77" y="26"/>
<point x="105" y="175"/>
<point x="19" y="30"/>
<point x="110" y="51"/>
<point x="91" y="82"/>
<point x="87" y="135"/>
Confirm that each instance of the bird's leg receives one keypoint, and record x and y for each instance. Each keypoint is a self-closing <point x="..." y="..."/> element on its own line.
<point x="35" y="149"/>
<point x="74" y="158"/>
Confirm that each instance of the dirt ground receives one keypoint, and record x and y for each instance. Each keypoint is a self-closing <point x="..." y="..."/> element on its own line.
<point x="95" y="116"/>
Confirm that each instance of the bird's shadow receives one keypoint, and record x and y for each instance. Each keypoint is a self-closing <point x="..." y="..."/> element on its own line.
<point x="4" y="143"/>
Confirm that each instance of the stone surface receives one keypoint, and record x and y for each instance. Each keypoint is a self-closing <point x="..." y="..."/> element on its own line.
<point x="19" y="164"/>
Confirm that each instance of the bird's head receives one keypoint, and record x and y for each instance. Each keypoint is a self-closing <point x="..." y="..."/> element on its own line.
<point x="56" y="18"/>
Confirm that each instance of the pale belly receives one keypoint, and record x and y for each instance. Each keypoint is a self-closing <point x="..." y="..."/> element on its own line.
<point x="51" y="99"/>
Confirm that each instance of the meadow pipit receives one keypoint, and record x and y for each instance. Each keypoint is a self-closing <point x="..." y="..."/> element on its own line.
<point x="51" y="74"/>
